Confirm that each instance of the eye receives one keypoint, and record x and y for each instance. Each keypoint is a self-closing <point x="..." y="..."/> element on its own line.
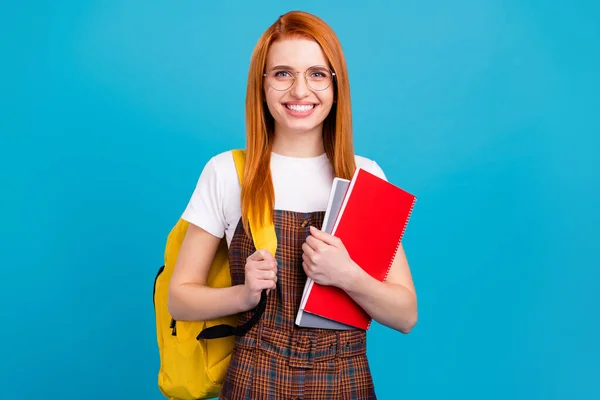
<point x="282" y="74"/>
<point x="319" y="74"/>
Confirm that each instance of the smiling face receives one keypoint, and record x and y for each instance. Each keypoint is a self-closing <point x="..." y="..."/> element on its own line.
<point x="299" y="109"/>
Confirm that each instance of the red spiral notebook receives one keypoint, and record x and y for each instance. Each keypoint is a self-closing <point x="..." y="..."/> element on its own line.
<point x="371" y="223"/>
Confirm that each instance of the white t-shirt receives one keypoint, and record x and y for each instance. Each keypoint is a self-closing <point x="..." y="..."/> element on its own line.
<point x="300" y="184"/>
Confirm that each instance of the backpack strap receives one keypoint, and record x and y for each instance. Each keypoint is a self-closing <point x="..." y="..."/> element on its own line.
<point x="263" y="232"/>
<point x="264" y="237"/>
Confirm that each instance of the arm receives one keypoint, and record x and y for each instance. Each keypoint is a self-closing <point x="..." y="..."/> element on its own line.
<point x="189" y="298"/>
<point x="392" y="303"/>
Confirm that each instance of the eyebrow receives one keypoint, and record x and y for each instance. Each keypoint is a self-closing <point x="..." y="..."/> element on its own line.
<point x="294" y="69"/>
<point x="282" y="66"/>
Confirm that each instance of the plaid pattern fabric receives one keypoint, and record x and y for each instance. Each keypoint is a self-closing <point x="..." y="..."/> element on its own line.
<point x="277" y="359"/>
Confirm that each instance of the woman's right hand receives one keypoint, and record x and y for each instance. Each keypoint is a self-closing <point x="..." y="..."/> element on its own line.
<point x="261" y="274"/>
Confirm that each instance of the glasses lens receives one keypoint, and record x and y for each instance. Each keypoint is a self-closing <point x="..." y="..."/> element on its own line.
<point x="280" y="79"/>
<point x="319" y="78"/>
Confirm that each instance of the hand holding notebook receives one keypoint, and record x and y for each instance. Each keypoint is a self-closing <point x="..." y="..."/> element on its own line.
<point x="326" y="260"/>
<point x="370" y="223"/>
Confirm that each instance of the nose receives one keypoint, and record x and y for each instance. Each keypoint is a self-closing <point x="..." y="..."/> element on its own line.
<point x="300" y="89"/>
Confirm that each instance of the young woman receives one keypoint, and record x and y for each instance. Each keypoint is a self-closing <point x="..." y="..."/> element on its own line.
<point x="299" y="137"/>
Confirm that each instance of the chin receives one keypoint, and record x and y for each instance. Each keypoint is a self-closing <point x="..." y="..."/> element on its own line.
<point x="302" y="128"/>
<point x="301" y="124"/>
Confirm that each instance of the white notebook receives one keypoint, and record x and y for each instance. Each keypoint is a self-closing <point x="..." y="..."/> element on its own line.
<point x="304" y="318"/>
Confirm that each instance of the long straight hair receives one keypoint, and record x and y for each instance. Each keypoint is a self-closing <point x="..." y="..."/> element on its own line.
<point x="257" y="186"/>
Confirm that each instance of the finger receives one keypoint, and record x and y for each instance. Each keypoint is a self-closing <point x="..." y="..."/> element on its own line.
<point x="307" y="269"/>
<point x="268" y="285"/>
<point x="309" y="260"/>
<point x="265" y="274"/>
<point x="311" y="242"/>
<point x="309" y="251"/>
<point x="316" y="244"/>
<point x="305" y="257"/>
<point x="325" y="237"/>
<point x="265" y="265"/>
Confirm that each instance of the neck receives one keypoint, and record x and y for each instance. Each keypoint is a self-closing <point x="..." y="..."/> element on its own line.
<point x="298" y="144"/>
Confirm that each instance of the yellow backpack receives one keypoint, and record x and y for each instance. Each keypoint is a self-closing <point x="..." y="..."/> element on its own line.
<point x="194" y="355"/>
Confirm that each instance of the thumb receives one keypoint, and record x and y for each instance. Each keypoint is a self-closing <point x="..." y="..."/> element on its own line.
<point x="262" y="254"/>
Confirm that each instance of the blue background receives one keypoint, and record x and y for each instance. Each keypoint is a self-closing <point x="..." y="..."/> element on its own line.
<point x="487" y="111"/>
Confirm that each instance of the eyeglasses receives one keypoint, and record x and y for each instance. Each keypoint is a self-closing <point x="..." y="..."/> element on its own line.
<point x="317" y="78"/>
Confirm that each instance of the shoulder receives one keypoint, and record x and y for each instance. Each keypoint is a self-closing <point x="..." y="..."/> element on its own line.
<point x="213" y="201"/>
<point x="220" y="168"/>
<point x="222" y="162"/>
<point x="218" y="178"/>
<point x="369" y="165"/>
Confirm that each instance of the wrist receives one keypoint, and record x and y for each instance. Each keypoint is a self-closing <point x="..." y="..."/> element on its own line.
<point x="244" y="301"/>
<point x="354" y="278"/>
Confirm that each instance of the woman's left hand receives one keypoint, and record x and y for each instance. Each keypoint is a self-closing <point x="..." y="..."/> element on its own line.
<point x="326" y="260"/>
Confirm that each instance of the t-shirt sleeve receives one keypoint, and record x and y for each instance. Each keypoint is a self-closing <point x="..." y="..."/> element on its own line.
<point x="377" y="170"/>
<point x="205" y="207"/>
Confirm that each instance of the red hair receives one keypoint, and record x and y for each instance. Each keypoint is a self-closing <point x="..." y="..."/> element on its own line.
<point x="257" y="187"/>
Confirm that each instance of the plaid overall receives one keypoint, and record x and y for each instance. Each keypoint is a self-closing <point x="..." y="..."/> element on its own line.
<point x="277" y="359"/>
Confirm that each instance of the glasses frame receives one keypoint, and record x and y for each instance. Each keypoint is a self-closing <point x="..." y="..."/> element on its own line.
<point x="295" y="75"/>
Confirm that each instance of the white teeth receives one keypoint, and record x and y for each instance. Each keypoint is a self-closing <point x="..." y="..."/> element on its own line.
<point x="300" y="108"/>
